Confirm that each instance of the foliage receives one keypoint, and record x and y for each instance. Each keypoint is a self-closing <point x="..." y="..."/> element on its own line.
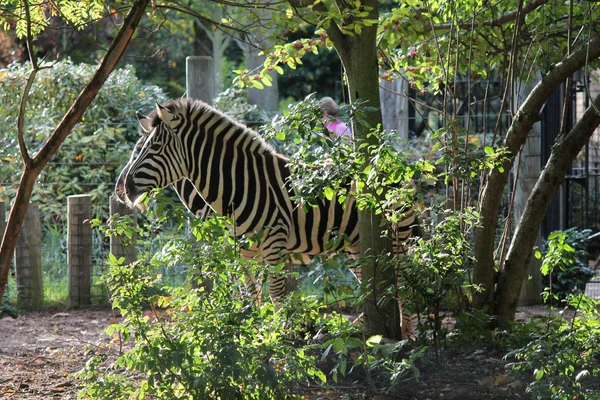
<point x="99" y="145"/>
<point x="233" y="102"/>
<point x="15" y="14"/>
<point x="324" y="164"/>
<point x="560" y="356"/>
<point x="201" y="343"/>
<point x="320" y="73"/>
<point x="6" y="309"/>
<point x="438" y="265"/>
<point x="395" y="361"/>
<point x="564" y="264"/>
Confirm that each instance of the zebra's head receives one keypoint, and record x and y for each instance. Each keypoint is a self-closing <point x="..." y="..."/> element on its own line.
<point x="158" y="158"/>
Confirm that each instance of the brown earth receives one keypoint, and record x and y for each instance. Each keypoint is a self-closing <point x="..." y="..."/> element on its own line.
<point x="40" y="350"/>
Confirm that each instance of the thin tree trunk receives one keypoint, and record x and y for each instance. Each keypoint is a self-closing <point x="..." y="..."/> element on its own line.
<point x="359" y="57"/>
<point x="519" y="254"/>
<point x="64" y="128"/>
<point x="495" y="181"/>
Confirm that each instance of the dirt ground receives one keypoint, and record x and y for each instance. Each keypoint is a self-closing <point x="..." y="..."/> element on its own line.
<point x="39" y="351"/>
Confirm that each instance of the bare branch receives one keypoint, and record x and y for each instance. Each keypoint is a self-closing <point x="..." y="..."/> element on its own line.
<point x="29" y="36"/>
<point x="192" y="13"/>
<point x="503" y="19"/>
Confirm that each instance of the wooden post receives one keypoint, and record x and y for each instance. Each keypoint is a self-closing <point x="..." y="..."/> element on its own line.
<point x="117" y="247"/>
<point x="79" y="249"/>
<point x="28" y="261"/>
<point x="199" y="78"/>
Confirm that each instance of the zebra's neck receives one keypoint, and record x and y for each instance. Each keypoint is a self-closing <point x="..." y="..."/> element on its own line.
<point x="233" y="169"/>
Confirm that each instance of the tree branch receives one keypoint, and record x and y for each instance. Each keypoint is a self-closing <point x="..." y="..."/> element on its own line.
<point x="86" y="96"/>
<point x="563" y="154"/>
<point x="72" y="117"/>
<point x="334" y="32"/>
<point x="192" y="13"/>
<point x="21" y="118"/>
<point x="528" y="114"/>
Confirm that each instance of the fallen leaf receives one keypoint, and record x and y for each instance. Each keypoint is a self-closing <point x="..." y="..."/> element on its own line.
<point x="515" y="385"/>
<point x="493" y="380"/>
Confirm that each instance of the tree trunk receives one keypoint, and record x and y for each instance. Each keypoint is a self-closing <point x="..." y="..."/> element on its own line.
<point x="495" y="181"/>
<point x="212" y="44"/>
<point x="36" y="165"/>
<point x="563" y="153"/>
<point x="359" y="58"/>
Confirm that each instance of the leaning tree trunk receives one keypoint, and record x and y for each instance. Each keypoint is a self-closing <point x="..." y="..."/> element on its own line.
<point x="359" y="58"/>
<point x="563" y="153"/>
<point x="35" y="165"/>
<point x="495" y="181"/>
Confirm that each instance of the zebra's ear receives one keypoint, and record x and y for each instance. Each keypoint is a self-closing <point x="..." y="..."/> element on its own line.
<point x="144" y="121"/>
<point x="164" y="114"/>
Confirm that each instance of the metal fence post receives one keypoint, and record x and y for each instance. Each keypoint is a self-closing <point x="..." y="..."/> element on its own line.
<point x="117" y="247"/>
<point x="199" y="78"/>
<point x="28" y="261"/>
<point x="79" y="249"/>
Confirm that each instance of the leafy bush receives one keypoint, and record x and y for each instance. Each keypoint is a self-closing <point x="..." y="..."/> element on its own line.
<point x="90" y="157"/>
<point x="437" y="271"/>
<point x="561" y="356"/>
<point x="564" y="264"/>
<point x="194" y="342"/>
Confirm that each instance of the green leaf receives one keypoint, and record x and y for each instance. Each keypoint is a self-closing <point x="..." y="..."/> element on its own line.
<point x="488" y="150"/>
<point x="329" y="193"/>
<point x="539" y="374"/>
<point x="373" y="340"/>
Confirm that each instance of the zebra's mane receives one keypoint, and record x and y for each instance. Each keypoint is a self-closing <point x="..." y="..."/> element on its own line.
<point x="186" y="106"/>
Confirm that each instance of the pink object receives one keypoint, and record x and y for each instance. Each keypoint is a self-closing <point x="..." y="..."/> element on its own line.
<point x="339" y="128"/>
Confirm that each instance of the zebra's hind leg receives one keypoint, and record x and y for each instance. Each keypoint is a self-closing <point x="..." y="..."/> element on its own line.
<point x="281" y="284"/>
<point x="253" y="286"/>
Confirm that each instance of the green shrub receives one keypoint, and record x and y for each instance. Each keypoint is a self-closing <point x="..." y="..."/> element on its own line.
<point x="560" y="358"/>
<point x="90" y="158"/>
<point x="190" y="341"/>
<point x="565" y="264"/>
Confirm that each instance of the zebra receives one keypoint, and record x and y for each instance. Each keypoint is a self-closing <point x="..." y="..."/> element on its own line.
<point x="218" y="164"/>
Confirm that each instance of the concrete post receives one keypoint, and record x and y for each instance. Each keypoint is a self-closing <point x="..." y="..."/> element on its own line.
<point x="79" y="249"/>
<point x="200" y="78"/>
<point x="117" y="246"/>
<point x="394" y="107"/>
<point x="529" y="173"/>
<point x="28" y="261"/>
